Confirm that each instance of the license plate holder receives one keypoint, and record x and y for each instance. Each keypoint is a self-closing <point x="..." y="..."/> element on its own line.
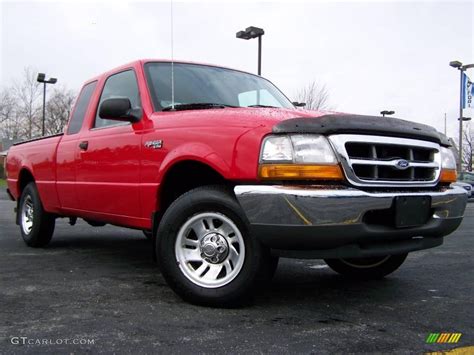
<point x="412" y="211"/>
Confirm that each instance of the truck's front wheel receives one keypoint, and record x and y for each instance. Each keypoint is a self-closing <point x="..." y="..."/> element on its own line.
<point x="36" y="225"/>
<point x="205" y="249"/>
<point x="367" y="268"/>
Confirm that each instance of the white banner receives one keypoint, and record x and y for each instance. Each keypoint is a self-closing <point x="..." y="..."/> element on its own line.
<point x="467" y="92"/>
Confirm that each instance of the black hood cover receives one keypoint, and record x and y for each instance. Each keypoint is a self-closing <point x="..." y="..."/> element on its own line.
<point x="359" y="124"/>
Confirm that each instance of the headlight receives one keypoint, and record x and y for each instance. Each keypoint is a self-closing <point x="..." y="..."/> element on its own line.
<point x="448" y="161"/>
<point x="448" y="166"/>
<point x="298" y="156"/>
<point x="277" y="149"/>
<point x="301" y="148"/>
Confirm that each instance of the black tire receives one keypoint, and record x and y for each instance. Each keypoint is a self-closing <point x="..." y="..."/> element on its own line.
<point x="42" y="225"/>
<point x="367" y="268"/>
<point x="271" y="267"/>
<point x="255" y="263"/>
<point x="148" y="234"/>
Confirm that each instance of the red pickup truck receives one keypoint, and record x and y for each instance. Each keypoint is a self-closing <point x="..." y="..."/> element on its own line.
<point x="225" y="175"/>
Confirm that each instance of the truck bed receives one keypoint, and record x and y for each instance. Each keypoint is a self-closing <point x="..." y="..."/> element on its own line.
<point x="36" y="157"/>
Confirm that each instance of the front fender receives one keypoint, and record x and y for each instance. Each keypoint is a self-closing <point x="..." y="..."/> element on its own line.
<point x="199" y="152"/>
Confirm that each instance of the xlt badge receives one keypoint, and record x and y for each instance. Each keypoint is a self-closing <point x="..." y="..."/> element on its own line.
<point x="154" y="144"/>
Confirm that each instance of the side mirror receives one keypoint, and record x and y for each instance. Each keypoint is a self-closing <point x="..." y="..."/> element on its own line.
<point x="119" y="109"/>
<point x="299" y="104"/>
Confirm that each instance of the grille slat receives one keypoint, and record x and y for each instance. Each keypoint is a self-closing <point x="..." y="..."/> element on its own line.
<point x="374" y="156"/>
<point x="411" y="157"/>
<point x="378" y="161"/>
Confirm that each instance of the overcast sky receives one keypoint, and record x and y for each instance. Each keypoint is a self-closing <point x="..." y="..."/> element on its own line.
<point x="371" y="55"/>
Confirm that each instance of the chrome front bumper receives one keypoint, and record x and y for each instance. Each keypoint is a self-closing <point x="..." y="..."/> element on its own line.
<point x="326" y="217"/>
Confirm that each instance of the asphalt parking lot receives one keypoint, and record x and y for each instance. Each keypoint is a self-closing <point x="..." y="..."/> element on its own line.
<point x="100" y="285"/>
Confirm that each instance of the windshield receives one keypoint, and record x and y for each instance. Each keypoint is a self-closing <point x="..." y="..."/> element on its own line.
<point x="198" y="84"/>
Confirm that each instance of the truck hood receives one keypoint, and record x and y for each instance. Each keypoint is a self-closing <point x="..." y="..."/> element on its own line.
<point x="304" y="121"/>
<point x="247" y="116"/>
<point x="340" y="123"/>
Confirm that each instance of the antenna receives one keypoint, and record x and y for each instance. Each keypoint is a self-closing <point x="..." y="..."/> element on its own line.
<point x="172" y="57"/>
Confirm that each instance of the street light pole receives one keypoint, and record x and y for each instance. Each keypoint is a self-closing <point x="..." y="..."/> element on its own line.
<point x="44" y="108"/>
<point x="250" y="33"/>
<point x="462" y="68"/>
<point x="259" y="55"/>
<point x="445" y="126"/>
<point x="42" y="79"/>
<point x="461" y="71"/>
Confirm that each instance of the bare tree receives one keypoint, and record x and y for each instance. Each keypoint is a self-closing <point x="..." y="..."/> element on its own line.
<point x="10" y="127"/>
<point x="58" y="110"/>
<point x="28" y="94"/>
<point x="21" y="108"/>
<point x="467" y="148"/>
<point x="467" y="151"/>
<point x="315" y="95"/>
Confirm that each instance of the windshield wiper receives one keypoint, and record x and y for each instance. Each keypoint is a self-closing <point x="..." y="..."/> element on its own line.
<point x="262" y="106"/>
<point x="196" y="106"/>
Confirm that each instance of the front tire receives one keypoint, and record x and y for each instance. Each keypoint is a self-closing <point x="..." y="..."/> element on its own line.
<point x="36" y="225"/>
<point x="205" y="250"/>
<point x="367" y="268"/>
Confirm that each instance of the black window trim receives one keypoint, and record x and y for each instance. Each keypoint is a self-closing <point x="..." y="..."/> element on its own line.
<point x="118" y="124"/>
<point x="87" y="108"/>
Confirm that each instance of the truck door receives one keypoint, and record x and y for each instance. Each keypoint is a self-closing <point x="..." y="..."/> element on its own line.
<point x="66" y="151"/>
<point x="108" y="163"/>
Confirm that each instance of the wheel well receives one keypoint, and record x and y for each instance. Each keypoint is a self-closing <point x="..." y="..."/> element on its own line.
<point x="185" y="176"/>
<point x="24" y="179"/>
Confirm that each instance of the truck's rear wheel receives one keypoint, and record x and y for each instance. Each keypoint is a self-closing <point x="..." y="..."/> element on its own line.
<point x="205" y="250"/>
<point x="36" y="225"/>
<point x="367" y="268"/>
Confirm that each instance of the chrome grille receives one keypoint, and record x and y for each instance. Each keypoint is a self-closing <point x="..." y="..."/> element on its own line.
<point x="387" y="161"/>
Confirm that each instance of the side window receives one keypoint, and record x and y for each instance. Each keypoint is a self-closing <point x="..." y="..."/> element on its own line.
<point x="123" y="84"/>
<point x="80" y="110"/>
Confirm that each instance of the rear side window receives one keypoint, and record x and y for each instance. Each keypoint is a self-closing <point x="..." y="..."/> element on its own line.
<point x="81" y="108"/>
<point x="123" y="84"/>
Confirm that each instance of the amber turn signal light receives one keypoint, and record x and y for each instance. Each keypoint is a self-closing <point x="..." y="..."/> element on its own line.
<point x="448" y="175"/>
<point x="300" y="172"/>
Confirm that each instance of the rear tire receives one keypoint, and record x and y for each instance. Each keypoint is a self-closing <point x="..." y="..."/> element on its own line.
<point x="205" y="250"/>
<point x="367" y="268"/>
<point x="36" y="225"/>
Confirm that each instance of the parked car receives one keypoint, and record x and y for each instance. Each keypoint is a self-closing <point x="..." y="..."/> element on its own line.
<point x="227" y="176"/>
<point x="466" y="177"/>
<point x="467" y="187"/>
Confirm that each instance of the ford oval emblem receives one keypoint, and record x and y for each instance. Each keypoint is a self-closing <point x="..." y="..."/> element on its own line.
<point x="402" y="164"/>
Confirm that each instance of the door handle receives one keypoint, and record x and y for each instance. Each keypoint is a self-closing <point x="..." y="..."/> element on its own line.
<point x="84" y="145"/>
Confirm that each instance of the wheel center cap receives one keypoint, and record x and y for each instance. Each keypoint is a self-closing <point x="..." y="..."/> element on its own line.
<point x="209" y="250"/>
<point x="214" y="248"/>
